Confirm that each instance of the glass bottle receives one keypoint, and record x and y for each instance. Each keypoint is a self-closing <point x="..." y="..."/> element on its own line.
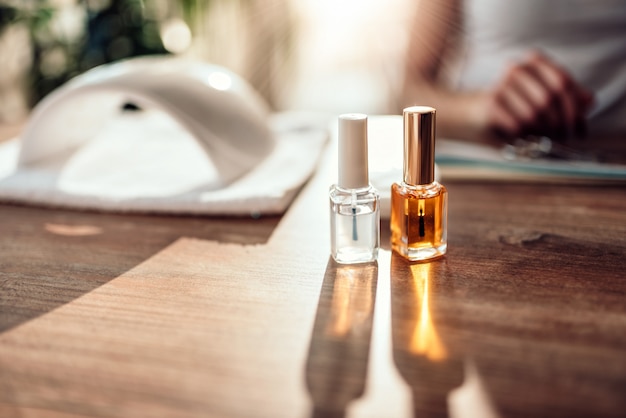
<point x="419" y="203"/>
<point x="354" y="203"/>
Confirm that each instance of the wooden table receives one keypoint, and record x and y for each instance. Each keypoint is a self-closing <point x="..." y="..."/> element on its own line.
<point x="137" y="316"/>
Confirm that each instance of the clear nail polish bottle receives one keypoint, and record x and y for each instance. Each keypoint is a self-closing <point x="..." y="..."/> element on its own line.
<point x="419" y="203"/>
<point x="354" y="205"/>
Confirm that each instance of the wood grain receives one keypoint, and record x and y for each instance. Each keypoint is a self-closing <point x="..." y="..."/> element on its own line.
<point x="120" y="315"/>
<point x="46" y="261"/>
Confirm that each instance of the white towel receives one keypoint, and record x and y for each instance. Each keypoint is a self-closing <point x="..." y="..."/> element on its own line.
<point x="145" y="162"/>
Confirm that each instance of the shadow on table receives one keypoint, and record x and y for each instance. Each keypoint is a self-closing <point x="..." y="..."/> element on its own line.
<point x="336" y="368"/>
<point x="425" y="354"/>
<point x="50" y="257"/>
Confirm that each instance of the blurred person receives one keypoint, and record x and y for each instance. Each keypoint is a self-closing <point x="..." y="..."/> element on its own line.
<point x="500" y="70"/>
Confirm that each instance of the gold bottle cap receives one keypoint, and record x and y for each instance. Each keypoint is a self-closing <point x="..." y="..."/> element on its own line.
<point x="419" y="145"/>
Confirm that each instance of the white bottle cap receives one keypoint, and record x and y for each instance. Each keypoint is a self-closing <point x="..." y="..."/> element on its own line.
<point x="353" y="151"/>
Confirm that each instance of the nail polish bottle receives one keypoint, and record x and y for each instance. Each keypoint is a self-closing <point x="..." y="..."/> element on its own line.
<point x="419" y="203"/>
<point x="354" y="203"/>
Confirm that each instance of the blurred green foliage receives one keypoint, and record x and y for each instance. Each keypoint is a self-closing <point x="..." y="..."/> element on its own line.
<point x="115" y="30"/>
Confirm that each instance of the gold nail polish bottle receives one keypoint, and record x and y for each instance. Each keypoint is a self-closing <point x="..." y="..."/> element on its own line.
<point x="419" y="203"/>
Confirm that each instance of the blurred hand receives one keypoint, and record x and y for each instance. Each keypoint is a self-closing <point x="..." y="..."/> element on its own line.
<point x="537" y="97"/>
